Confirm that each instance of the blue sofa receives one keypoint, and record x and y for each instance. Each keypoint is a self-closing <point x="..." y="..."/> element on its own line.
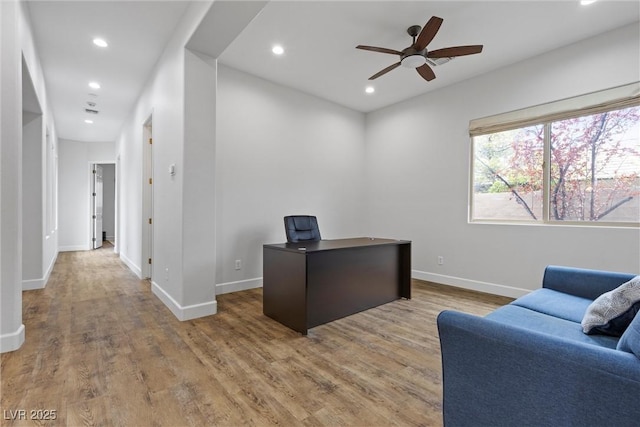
<point x="529" y="363"/>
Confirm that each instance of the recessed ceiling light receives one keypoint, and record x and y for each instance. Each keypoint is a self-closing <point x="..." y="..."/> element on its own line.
<point x="369" y="89"/>
<point x="88" y="121"/>
<point x="586" y="2"/>
<point x="100" y="42"/>
<point x="277" y="50"/>
<point x="94" y="85"/>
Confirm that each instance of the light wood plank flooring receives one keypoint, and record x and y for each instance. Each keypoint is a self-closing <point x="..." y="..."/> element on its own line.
<point x="102" y="350"/>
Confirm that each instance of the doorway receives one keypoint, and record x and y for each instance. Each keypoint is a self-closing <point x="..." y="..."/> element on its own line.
<point x="103" y="192"/>
<point x="98" y="200"/>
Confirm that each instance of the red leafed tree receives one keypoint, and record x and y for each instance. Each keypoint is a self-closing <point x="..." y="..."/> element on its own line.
<point x="591" y="174"/>
<point x="595" y="164"/>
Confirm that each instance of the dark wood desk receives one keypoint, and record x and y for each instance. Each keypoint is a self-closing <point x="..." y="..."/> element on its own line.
<point x="311" y="283"/>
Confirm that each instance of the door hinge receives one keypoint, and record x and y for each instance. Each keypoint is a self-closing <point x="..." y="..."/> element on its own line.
<point x="150" y="222"/>
<point x="150" y="181"/>
<point x="149" y="260"/>
<point x="150" y="140"/>
<point x="94" y="171"/>
<point x="94" y="217"/>
<point x="93" y="239"/>
<point x="93" y="194"/>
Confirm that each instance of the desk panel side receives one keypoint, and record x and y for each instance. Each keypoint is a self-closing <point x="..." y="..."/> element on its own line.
<point x="284" y="288"/>
<point x="405" y="269"/>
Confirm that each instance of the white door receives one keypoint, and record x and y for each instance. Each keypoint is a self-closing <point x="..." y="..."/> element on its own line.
<point x="97" y="206"/>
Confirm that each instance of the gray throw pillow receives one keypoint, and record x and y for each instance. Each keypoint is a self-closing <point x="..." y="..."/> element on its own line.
<point x="613" y="311"/>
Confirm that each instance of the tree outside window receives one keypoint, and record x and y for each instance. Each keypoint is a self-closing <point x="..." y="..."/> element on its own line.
<point x="594" y="174"/>
<point x="508" y="175"/>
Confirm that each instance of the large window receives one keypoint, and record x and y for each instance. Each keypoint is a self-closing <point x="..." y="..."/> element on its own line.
<point x="582" y="167"/>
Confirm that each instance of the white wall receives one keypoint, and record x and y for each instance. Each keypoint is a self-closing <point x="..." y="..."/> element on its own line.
<point x="32" y="179"/>
<point x="198" y="255"/>
<point x="181" y="98"/>
<point x="281" y="152"/>
<point x="164" y="99"/>
<point x="11" y="328"/>
<point x="418" y="155"/>
<point x="16" y="42"/>
<point x="75" y="159"/>
<point x="45" y="249"/>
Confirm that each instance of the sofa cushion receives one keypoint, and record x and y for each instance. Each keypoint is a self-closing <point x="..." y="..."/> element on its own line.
<point x="612" y="311"/>
<point x="554" y="303"/>
<point x="630" y="340"/>
<point x="533" y="320"/>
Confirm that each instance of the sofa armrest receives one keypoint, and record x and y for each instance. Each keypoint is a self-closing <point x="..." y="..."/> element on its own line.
<point x="496" y="374"/>
<point x="582" y="282"/>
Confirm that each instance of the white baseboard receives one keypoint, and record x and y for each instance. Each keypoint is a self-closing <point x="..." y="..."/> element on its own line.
<point x="12" y="341"/>
<point x="50" y="269"/>
<point x="241" y="285"/>
<point x="188" y="312"/>
<point x="474" y="285"/>
<point x="132" y="266"/>
<point x="74" y="248"/>
<point x="33" y="284"/>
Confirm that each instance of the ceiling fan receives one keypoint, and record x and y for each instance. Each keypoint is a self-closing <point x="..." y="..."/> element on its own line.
<point x="415" y="56"/>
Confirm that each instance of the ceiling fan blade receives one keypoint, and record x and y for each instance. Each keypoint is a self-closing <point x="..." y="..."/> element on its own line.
<point x="426" y="72"/>
<point x="379" y="49"/>
<point x="385" y="71"/>
<point x="428" y="32"/>
<point x="450" y="52"/>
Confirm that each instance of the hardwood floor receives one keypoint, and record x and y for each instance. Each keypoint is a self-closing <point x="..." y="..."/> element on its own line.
<point x="102" y="350"/>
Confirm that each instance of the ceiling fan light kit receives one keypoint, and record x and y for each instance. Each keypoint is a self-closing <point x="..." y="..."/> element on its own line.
<point x="417" y="56"/>
<point x="413" y="61"/>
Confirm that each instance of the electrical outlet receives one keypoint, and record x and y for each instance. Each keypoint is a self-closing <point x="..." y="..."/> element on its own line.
<point x="238" y="264"/>
<point x="440" y="260"/>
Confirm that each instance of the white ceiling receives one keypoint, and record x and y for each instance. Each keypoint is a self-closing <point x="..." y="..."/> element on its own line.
<point x="319" y="38"/>
<point x="137" y="33"/>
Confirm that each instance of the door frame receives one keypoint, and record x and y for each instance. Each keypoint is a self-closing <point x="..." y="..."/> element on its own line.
<point x="146" y="266"/>
<point x="90" y="207"/>
<point x="96" y="235"/>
